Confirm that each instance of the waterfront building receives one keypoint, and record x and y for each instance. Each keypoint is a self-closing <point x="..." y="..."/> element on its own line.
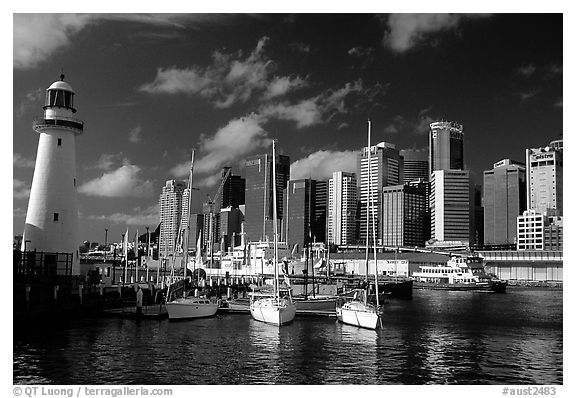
<point x="342" y="207"/>
<point x="387" y="168"/>
<point x="172" y="204"/>
<point x="446" y="146"/>
<point x="424" y="185"/>
<point x="450" y="205"/>
<point x="544" y="168"/>
<point x="305" y="210"/>
<point x="51" y="227"/>
<point x="196" y="227"/>
<point x="416" y="165"/>
<point x="258" y="215"/>
<point x="211" y="226"/>
<point x="504" y="200"/>
<point x="403" y="215"/>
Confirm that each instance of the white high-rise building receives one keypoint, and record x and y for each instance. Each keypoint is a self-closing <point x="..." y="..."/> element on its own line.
<point x="173" y="216"/>
<point x="450" y="205"/>
<point x="387" y="169"/>
<point x="52" y="217"/>
<point x="544" y="178"/>
<point x="342" y="205"/>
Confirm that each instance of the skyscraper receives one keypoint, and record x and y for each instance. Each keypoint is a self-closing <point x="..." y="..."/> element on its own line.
<point x="233" y="191"/>
<point x="305" y="213"/>
<point x="52" y="217"/>
<point x="544" y="168"/>
<point x="446" y="146"/>
<point x="171" y="216"/>
<point x="415" y="165"/>
<point x="450" y="205"/>
<point x="504" y="200"/>
<point x="342" y="207"/>
<point x="258" y="216"/>
<point x="403" y="215"/>
<point x="387" y="169"/>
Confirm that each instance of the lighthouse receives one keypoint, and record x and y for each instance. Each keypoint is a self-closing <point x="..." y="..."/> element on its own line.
<point x="52" y="219"/>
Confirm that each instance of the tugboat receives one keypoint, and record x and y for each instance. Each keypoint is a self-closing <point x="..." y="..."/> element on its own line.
<point x="459" y="273"/>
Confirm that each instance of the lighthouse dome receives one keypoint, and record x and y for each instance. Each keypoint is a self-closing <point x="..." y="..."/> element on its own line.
<point x="61" y="85"/>
<point x="60" y="95"/>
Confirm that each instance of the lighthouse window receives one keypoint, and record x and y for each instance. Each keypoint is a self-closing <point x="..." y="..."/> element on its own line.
<point x="56" y="217"/>
<point x="59" y="141"/>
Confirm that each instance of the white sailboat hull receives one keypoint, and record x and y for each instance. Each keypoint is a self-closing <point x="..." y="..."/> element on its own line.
<point x="187" y="308"/>
<point x="358" y="314"/>
<point x="271" y="310"/>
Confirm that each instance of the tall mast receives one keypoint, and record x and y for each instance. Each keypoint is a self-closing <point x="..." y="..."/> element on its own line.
<point x="274" y="219"/>
<point x="368" y="209"/>
<point x="187" y="234"/>
<point x="371" y="199"/>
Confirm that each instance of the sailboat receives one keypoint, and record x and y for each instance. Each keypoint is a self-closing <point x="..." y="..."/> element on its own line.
<point x="278" y="309"/>
<point x="187" y="307"/>
<point x="359" y="312"/>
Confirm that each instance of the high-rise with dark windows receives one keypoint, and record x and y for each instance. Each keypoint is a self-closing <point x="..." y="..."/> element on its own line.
<point x="258" y="216"/>
<point x="446" y="146"/>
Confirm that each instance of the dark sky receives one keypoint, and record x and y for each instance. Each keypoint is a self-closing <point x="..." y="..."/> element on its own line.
<point x="150" y="87"/>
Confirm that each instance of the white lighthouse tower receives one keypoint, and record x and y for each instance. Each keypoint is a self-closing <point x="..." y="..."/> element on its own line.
<point x="52" y="217"/>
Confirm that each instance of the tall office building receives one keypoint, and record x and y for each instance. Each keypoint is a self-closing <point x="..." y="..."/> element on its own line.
<point x="450" y="205"/>
<point x="52" y="217"/>
<point x="403" y="215"/>
<point x="196" y="227"/>
<point x="230" y="227"/>
<point x="424" y="185"/>
<point x="233" y="191"/>
<point x="446" y="146"/>
<point x="342" y="208"/>
<point x="320" y="211"/>
<point x="544" y="168"/>
<point x="299" y="206"/>
<point x="387" y="169"/>
<point x="258" y="216"/>
<point x="416" y="165"/>
<point x="171" y="216"/>
<point x="504" y="200"/>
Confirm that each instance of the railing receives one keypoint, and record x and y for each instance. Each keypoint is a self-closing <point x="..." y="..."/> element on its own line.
<point x="522" y="255"/>
<point x="61" y="121"/>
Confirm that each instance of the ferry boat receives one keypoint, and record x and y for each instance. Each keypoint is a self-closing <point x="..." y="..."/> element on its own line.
<point x="459" y="273"/>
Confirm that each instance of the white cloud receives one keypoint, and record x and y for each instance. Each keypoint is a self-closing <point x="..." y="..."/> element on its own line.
<point x="107" y="161"/>
<point x="321" y="164"/>
<point x="318" y="109"/>
<point x="140" y="217"/>
<point x="282" y="85"/>
<point x="227" y="81"/>
<point x="122" y="182"/>
<point x="406" y="30"/>
<point x="22" y="162"/>
<point x="21" y="190"/>
<point x="135" y="135"/>
<point x="231" y="143"/>
<point x="36" y="36"/>
<point x="524" y="96"/>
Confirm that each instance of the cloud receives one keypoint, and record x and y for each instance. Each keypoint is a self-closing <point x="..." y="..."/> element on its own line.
<point x="527" y="70"/>
<point x="38" y="36"/>
<point x="31" y="100"/>
<point x="139" y="217"/>
<point x="19" y="213"/>
<point x="122" y="182"/>
<point x="559" y="103"/>
<point x="21" y="162"/>
<point x="107" y="161"/>
<point x="524" y="96"/>
<point x="227" y="81"/>
<point x="301" y="47"/>
<point x="407" y="30"/>
<point x="135" y="135"/>
<point x="364" y="54"/>
<point x="321" y="164"/>
<point x="21" y="190"/>
<point x="280" y="86"/>
<point x="238" y="138"/>
<point x="323" y="107"/>
<point x="419" y="125"/>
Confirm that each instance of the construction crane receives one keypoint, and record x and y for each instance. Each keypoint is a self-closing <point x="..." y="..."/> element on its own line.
<point x="211" y="210"/>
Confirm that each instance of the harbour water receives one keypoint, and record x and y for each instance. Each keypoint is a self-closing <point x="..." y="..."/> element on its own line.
<point x="438" y="337"/>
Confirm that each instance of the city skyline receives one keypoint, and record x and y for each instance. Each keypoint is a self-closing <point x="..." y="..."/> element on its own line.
<point x="301" y="79"/>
